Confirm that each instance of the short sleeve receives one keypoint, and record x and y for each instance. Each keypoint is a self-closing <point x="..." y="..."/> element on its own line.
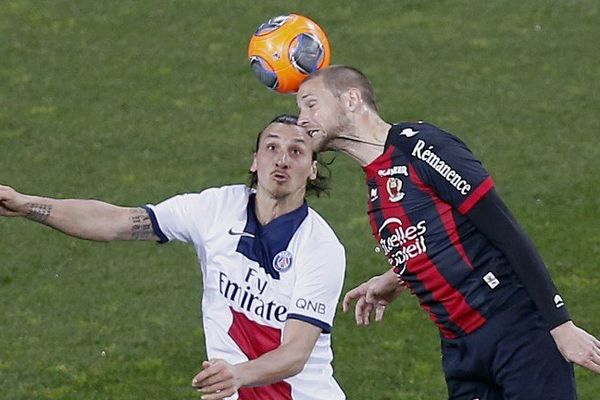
<point x="318" y="286"/>
<point x="179" y="217"/>
<point x="444" y="163"/>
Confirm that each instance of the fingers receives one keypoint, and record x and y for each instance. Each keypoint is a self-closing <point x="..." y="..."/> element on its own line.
<point x="8" y="206"/>
<point x="216" y="381"/>
<point x="362" y="311"/>
<point x="211" y="369"/>
<point x="217" y="392"/>
<point x="578" y="346"/>
<point x="589" y="359"/>
<point x="353" y="294"/>
<point x="379" y="310"/>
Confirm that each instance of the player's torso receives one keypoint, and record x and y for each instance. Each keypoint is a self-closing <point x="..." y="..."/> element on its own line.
<point x="249" y="277"/>
<point x="440" y="255"/>
<point x="244" y="272"/>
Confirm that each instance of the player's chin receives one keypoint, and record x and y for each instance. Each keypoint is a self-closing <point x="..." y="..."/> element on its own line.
<point x="319" y="142"/>
<point x="279" y="189"/>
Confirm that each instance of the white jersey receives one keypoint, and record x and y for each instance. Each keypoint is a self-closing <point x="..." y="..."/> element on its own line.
<point x="257" y="277"/>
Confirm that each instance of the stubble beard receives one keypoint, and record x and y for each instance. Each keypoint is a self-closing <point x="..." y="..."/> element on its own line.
<point x="341" y="127"/>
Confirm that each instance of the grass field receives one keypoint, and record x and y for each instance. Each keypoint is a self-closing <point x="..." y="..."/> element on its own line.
<point x="133" y="101"/>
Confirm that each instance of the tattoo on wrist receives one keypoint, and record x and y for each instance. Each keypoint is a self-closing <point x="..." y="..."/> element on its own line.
<point x="141" y="225"/>
<point x="38" y="212"/>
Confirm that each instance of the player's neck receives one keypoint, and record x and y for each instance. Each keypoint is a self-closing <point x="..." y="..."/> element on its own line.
<point x="268" y="207"/>
<point x="365" y="141"/>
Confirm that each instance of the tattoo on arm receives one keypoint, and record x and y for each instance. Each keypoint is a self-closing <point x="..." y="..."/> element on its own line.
<point x="39" y="212"/>
<point x="141" y="226"/>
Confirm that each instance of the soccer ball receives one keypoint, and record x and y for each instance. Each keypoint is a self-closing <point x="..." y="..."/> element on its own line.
<point x="285" y="50"/>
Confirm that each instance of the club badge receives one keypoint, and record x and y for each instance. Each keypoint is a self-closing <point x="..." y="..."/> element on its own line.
<point x="282" y="261"/>
<point x="394" y="189"/>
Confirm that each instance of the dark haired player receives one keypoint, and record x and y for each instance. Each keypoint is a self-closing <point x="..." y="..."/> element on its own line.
<point x="272" y="268"/>
<point x="506" y="333"/>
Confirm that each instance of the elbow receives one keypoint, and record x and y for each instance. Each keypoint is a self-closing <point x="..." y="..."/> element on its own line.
<point x="297" y="364"/>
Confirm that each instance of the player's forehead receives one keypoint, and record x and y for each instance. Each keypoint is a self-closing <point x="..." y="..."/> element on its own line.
<point x="286" y="132"/>
<point x="312" y="88"/>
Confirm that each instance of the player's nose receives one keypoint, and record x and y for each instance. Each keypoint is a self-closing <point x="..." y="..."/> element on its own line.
<point x="302" y="120"/>
<point x="282" y="161"/>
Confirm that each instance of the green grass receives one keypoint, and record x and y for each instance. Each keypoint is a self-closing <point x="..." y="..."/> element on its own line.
<point x="133" y="101"/>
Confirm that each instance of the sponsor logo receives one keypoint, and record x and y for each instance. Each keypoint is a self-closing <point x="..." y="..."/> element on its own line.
<point x="491" y="280"/>
<point x="310" y="305"/>
<point x="558" y="301"/>
<point x="408" y="132"/>
<point x="441" y="167"/>
<point x="242" y="233"/>
<point x="395" y="170"/>
<point x="282" y="261"/>
<point x="374" y="194"/>
<point x="249" y="296"/>
<point x="394" y="187"/>
<point x="400" y="243"/>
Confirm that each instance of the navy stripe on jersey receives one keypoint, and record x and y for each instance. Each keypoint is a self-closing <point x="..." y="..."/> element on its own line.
<point x="162" y="238"/>
<point x="270" y="240"/>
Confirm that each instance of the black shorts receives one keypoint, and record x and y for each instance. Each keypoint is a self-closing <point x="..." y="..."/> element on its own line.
<point x="512" y="357"/>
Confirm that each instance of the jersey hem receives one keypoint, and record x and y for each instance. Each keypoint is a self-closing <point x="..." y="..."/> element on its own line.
<point x="155" y="226"/>
<point x="313" y="321"/>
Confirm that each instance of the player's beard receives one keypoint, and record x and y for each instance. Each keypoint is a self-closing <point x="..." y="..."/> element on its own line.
<point x="340" y="127"/>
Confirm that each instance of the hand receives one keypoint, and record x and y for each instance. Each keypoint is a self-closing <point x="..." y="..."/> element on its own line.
<point x="12" y="203"/>
<point x="218" y="380"/>
<point x="577" y="346"/>
<point x="373" y="296"/>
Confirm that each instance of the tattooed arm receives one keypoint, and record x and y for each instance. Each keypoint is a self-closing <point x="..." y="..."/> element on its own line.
<point x="85" y="219"/>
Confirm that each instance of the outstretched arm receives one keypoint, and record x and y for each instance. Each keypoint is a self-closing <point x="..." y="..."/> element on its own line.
<point x="85" y="219"/>
<point x="219" y="379"/>
<point x="494" y="220"/>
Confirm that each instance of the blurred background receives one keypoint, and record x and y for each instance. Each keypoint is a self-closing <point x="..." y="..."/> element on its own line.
<point x="133" y="101"/>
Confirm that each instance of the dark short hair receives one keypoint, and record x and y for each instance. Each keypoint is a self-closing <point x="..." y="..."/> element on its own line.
<point x="317" y="186"/>
<point x="339" y="78"/>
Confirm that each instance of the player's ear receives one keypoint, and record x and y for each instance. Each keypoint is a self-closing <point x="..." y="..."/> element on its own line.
<point x="313" y="171"/>
<point x="253" y="165"/>
<point x="352" y="99"/>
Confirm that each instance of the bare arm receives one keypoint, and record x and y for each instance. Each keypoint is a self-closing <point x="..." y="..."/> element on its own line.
<point x="85" y="219"/>
<point x="219" y="379"/>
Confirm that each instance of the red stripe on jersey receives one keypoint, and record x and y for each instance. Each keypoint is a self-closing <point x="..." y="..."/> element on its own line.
<point x="477" y="194"/>
<point x="462" y="314"/>
<point x="390" y="209"/>
<point x="445" y="211"/>
<point x="254" y="340"/>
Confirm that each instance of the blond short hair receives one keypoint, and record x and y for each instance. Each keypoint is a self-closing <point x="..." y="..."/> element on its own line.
<point x="340" y="78"/>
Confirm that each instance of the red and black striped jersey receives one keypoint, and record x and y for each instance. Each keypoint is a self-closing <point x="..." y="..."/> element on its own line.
<point x="420" y="190"/>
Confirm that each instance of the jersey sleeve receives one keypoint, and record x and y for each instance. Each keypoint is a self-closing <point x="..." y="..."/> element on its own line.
<point x="318" y="286"/>
<point x="496" y="222"/>
<point x="444" y="163"/>
<point x="181" y="217"/>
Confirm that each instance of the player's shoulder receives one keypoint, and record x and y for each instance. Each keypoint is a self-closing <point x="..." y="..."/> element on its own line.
<point x="319" y="226"/>
<point x="408" y="135"/>
<point x="215" y="198"/>
<point x="225" y="194"/>
<point x="317" y="232"/>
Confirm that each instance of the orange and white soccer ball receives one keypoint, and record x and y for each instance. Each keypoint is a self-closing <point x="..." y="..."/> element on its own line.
<point x="285" y="50"/>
